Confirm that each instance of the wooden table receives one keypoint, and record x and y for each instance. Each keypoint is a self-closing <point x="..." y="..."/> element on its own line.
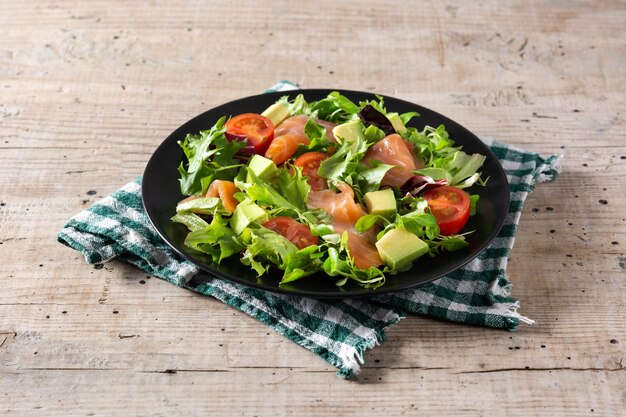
<point x="89" y="89"/>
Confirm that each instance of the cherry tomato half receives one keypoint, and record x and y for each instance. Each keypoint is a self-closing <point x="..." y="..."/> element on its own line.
<point x="451" y="208"/>
<point x="310" y="163"/>
<point x="298" y="233"/>
<point x="258" y="129"/>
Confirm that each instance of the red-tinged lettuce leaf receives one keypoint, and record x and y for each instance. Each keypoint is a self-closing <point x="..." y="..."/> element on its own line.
<point x="418" y="183"/>
<point x="372" y="117"/>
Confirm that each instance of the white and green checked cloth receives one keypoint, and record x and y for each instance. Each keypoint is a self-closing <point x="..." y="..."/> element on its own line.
<point x="117" y="227"/>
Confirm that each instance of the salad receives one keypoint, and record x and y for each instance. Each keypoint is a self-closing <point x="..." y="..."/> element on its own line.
<point x="333" y="186"/>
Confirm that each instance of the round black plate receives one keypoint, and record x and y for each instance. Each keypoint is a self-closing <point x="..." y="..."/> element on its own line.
<point x="161" y="192"/>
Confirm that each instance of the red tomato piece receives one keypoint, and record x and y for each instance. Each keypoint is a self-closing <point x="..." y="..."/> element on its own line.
<point x="258" y="129"/>
<point x="450" y="206"/>
<point x="297" y="233"/>
<point x="310" y="163"/>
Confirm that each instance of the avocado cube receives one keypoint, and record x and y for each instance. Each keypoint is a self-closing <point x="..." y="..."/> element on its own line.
<point x="277" y="112"/>
<point x="396" y="122"/>
<point x="245" y="214"/>
<point x="399" y="247"/>
<point x="381" y="202"/>
<point x="262" y="167"/>
<point x="349" y="131"/>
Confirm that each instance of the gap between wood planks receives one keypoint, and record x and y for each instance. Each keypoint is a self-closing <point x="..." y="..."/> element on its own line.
<point x="619" y="368"/>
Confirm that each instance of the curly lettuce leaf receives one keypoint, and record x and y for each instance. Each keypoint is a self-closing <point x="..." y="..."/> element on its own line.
<point x="293" y="186"/>
<point x="373" y="134"/>
<point x="298" y="105"/>
<point x="305" y="262"/>
<point x="263" y="192"/>
<point x="335" y="108"/>
<point x="340" y="263"/>
<point x="442" y="159"/>
<point x="343" y="162"/>
<point x="285" y="195"/>
<point x="464" y="169"/>
<point x="378" y="105"/>
<point x="318" y="142"/>
<point x="447" y="243"/>
<point x="266" y="248"/>
<point x="210" y="156"/>
<point x="217" y="239"/>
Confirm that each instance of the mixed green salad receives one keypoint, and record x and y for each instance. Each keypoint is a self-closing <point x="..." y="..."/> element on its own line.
<point x="333" y="186"/>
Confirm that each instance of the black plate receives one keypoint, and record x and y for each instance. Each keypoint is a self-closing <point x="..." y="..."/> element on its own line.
<point x="161" y="192"/>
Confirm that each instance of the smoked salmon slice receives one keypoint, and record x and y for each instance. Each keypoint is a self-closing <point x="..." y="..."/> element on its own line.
<point x="295" y="124"/>
<point x="363" y="249"/>
<point x="393" y="150"/>
<point x="284" y="146"/>
<point x="329" y="129"/>
<point x="345" y="212"/>
<point x="290" y="134"/>
<point x="341" y="206"/>
<point x="225" y="190"/>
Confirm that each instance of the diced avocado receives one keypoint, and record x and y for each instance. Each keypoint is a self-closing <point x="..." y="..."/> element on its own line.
<point x="262" y="167"/>
<point x="396" y="122"/>
<point x="381" y="202"/>
<point x="277" y="112"/>
<point x="349" y="131"/>
<point x="399" y="247"/>
<point x="245" y="214"/>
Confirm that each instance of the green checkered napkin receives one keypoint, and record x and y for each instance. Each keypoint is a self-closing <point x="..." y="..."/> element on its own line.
<point x="117" y="227"/>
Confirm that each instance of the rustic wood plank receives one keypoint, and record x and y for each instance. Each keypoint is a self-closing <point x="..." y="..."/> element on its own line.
<point x="89" y="89"/>
<point x="398" y="392"/>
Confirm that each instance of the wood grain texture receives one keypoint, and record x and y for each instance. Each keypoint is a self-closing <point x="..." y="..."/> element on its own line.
<point x="89" y="89"/>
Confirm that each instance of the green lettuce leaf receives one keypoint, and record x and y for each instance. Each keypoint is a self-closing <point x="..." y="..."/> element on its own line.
<point x="414" y="217"/>
<point x="464" y="166"/>
<point x="296" y="106"/>
<point x="343" y="162"/>
<point x="340" y="263"/>
<point x="473" y="201"/>
<point x="285" y="195"/>
<point x="305" y="262"/>
<point x="447" y="243"/>
<point x="370" y="179"/>
<point x="442" y="159"/>
<point x="202" y="205"/>
<point x="217" y="239"/>
<point x="368" y="221"/>
<point x="406" y="117"/>
<point x="335" y="108"/>
<point x="210" y="156"/>
<point x="266" y="248"/>
<point x="373" y="134"/>
<point x="191" y="220"/>
<point x="265" y="193"/>
<point x="378" y="105"/>
<point x="293" y="187"/>
<point x="435" y="173"/>
<point x="318" y="142"/>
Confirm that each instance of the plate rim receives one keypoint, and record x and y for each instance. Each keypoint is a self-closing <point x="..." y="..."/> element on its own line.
<point x="207" y="273"/>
